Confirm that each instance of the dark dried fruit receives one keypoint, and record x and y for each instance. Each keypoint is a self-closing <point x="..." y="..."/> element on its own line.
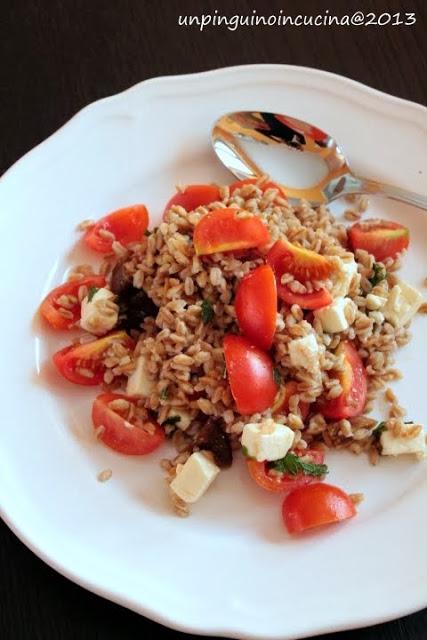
<point x="213" y="438"/>
<point x="134" y="307"/>
<point x="121" y="279"/>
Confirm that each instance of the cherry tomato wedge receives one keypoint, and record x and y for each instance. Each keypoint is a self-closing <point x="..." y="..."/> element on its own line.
<point x="303" y="264"/>
<point x="83" y="364"/>
<point x="50" y="307"/>
<point x="250" y="374"/>
<point x="353" y="379"/>
<point x="382" y="238"/>
<point x="256" y="306"/>
<point x="127" y="225"/>
<point x="281" y="402"/>
<point x="314" y="300"/>
<point x="314" y="505"/>
<point x="286" y="482"/>
<point x="264" y="186"/>
<point x="193" y="196"/>
<point x="224" y="230"/>
<point x="133" y="437"/>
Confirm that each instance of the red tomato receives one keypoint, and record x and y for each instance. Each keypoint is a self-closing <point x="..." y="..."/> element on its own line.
<point x="49" y="308"/>
<point x="314" y="300"/>
<point x="70" y="360"/>
<point x="256" y="306"/>
<point x="303" y="264"/>
<point x="128" y="437"/>
<point x="127" y="225"/>
<point x="223" y="230"/>
<point x="250" y="373"/>
<point x="382" y="238"/>
<point x="314" y="505"/>
<point x="266" y="185"/>
<point x="281" y="402"/>
<point x="353" y="379"/>
<point x="193" y="196"/>
<point x="277" y="484"/>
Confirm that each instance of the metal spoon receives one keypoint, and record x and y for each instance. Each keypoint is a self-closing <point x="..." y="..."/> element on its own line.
<point x="233" y="130"/>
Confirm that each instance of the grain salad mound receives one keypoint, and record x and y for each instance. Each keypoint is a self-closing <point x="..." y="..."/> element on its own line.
<point x="183" y="306"/>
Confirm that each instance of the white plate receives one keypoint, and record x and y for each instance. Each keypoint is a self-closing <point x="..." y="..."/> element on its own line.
<point x="230" y="569"/>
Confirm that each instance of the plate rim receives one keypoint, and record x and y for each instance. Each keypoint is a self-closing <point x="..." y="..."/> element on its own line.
<point x="361" y="89"/>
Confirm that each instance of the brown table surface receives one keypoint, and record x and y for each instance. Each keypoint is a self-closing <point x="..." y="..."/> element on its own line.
<point x="59" y="55"/>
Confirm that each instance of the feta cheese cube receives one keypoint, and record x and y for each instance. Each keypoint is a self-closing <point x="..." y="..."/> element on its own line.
<point x="402" y="304"/>
<point x="99" y="312"/>
<point x="267" y="440"/>
<point x="333" y="317"/>
<point x="185" y="418"/>
<point x="139" y="383"/>
<point x="374" y="302"/>
<point x="194" y="477"/>
<point x="304" y="352"/>
<point x="396" y="446"/>
<point x="347" y="269"/>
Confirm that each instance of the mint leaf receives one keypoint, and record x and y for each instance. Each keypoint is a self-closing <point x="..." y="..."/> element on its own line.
<point x="207" y="311"/>
<point x="293" y="465"/>
<point x="164" y="393"/>
<point x="91" y="293"/>
<point x="277" y="376"/>
<point x="379" y="274"/>
<point x="376" y="433"/>
<point x="172" y="420"/>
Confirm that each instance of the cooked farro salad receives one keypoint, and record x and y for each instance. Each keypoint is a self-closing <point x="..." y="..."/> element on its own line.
<point x="242" y="325"/>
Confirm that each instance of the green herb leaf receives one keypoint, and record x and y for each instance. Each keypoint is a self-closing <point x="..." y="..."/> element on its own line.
<point x="293" y="465"/>
<point x="172" y="420"/>
<point x="164" y="393"/>
<point x="379" y="274"/>
<point x="91" y="293"/>
<point x="245" y="452"/>
<point x="207" y="311"/>
<point x="277" y="376"/>
<point x="376" y="433"/>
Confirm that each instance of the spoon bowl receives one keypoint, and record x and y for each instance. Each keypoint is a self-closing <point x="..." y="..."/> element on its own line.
<point x="236" y="135"/>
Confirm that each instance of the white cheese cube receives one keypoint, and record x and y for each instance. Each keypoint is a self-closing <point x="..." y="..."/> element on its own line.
<point x="402" y="304"/>
<point x="347" y="269"/>
<point x="396" y="446"/>
<point x="194" y="477"/>
<point x="304" y="352"/>
<point x="99" y="312"/>
<point x="333" y="317"/>
<point x="139" y="383"/>
<point x="267" y="440"/>
<point x="374" y="302"/>
<point x="185" y="418"/>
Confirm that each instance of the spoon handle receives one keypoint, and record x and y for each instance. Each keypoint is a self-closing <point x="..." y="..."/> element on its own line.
<point x="364" y="185"/>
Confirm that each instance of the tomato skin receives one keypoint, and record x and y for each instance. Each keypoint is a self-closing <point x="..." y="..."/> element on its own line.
<point x="222" y="230"/>
<point x="383" y="240"/>
<point x="256" y="306"/>
<point x="353" y="379"/>
<point x="238" y="184"/>
<point x="193" y="196"/>
<point x="127" y="224"/>
<point x="250" y="374"/>
<point x="303" y="264"/>
<point x="281" y="402"/>
<point x="315" y="505"/>
<point x="129" y="441"/>
<point x="49" y="306"/>
<point x="88" y="356"/>
<point x="314" y="300"/>
<point x="276" y="484"/>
